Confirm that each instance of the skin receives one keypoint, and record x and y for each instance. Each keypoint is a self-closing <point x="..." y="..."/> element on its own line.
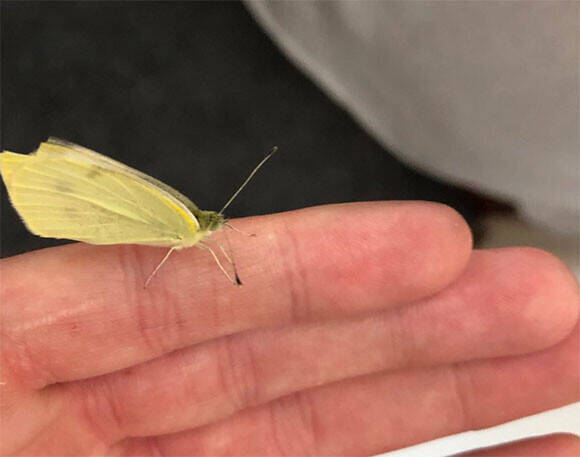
<point x="360" y="328"/>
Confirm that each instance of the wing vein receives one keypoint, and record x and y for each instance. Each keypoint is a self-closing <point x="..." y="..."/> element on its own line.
<point x="96" y="186"/>
<point x="86" y="200"/>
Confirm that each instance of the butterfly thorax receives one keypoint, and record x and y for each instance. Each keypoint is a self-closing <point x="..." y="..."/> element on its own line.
<point x="209" y="221"/>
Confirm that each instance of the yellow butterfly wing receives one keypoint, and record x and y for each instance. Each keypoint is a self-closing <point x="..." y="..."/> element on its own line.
<point x="10" y="162"/>
<point x="63" y="194"/>
<point x="59" y="146"/>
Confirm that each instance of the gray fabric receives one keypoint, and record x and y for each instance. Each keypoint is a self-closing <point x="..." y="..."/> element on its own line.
<point x="482" y="93"/>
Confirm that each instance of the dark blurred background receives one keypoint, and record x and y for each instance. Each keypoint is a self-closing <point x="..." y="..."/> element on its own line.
<point x="192" y="93"/>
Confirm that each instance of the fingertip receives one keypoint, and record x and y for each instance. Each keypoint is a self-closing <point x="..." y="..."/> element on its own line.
<point x="540" y="295"/>
<point x="554" y="313"/>
<point x="458" y="235"/>
<point x="440" y="245"/>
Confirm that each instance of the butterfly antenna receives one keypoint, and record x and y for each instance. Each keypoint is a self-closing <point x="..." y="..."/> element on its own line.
<point x="158" y="267"/>
<point x="248" y="179"/>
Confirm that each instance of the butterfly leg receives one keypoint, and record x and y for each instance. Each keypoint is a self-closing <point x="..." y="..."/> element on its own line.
<point x="226" y="255"/>
<point x="230" y="226"/>
<point x="158" y="267"/>
<point x="234" y="281"/>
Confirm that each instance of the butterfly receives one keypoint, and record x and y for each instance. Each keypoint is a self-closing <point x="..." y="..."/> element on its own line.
<point x="63" y="190"/>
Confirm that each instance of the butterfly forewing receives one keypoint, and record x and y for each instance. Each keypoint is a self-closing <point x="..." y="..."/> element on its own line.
<point x="56" y="146"/>
<point x="63" y="197"/>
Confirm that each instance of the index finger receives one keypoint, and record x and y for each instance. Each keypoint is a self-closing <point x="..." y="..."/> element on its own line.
<point x="78" y="311"/>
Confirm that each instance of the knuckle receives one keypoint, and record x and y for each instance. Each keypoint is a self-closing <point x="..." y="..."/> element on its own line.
<point x="157" y="316"/>
<point x="238" y="372"/>
<point x="98" y="408"/>
<point x="294" y="276"/>
<point x="150" y="446"/>
<point x="399" y="326"/>
<point x="20" y="364"/>
<point x="130" y="265"/>
<point x="463" y="392"/>
<point x="294" y="425"/>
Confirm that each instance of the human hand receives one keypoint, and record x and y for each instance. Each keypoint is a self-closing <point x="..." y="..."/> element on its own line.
<point x="360" y="328"/>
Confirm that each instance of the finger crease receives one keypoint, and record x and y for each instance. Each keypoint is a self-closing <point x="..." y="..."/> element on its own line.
<point x="295" y="273"/>
<point x="461" y="396"/>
